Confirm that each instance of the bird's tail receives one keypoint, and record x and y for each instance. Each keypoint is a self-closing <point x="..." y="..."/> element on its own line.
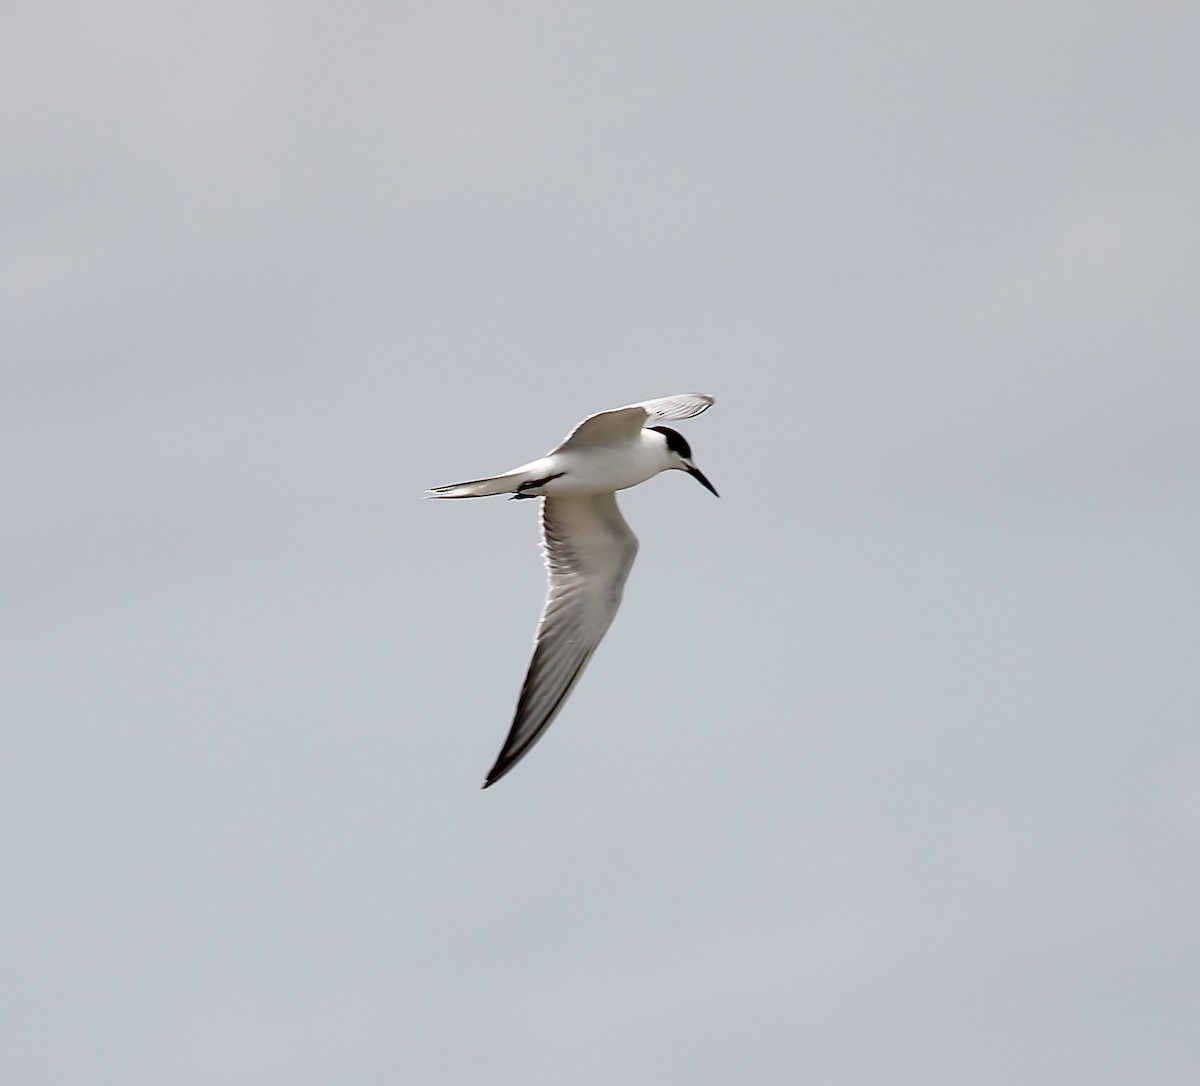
<point x="481" y="488"/>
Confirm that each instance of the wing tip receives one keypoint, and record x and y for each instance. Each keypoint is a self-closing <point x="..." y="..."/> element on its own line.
<point x="683" y="405"/>
<point x="498" y="771"/>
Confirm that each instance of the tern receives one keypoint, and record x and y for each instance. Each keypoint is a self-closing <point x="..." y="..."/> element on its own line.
<point x="587" y="546"/>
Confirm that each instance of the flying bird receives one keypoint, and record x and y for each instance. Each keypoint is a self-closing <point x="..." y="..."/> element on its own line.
<point x="588" y="547"/>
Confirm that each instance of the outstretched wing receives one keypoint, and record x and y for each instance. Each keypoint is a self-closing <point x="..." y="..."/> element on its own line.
<point x="623" y="423"/>
<point x="589" y="551"/>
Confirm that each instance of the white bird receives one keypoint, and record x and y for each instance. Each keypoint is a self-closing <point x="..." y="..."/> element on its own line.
<point x="588" y="547"/>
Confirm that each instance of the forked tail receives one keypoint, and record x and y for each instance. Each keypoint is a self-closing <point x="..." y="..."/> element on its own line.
<point x="480" y="488"/>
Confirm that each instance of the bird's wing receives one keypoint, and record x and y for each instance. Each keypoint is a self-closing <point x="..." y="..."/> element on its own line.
<point x="623" y="423"/>
<point x="589" y="550"/>
<point x="683" y="406"/>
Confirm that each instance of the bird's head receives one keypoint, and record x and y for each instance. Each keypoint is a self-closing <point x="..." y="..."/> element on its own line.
<point x="679" y="455"/>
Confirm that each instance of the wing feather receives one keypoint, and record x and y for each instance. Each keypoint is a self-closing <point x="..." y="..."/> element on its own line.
<point x="683" y="406"/>
<point x="589" y="550"/>
<point x="623" y="423"/>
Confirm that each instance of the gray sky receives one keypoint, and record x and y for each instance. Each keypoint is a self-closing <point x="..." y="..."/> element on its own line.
<point x="888" y="771"/>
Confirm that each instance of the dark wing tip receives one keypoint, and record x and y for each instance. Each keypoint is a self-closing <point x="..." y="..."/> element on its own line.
<point x="498" y="771"/>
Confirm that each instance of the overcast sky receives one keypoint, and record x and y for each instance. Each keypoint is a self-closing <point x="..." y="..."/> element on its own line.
<point x="887" y="773"/>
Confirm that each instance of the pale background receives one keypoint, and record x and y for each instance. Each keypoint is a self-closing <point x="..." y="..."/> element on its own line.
<point x="889" y="770"/>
